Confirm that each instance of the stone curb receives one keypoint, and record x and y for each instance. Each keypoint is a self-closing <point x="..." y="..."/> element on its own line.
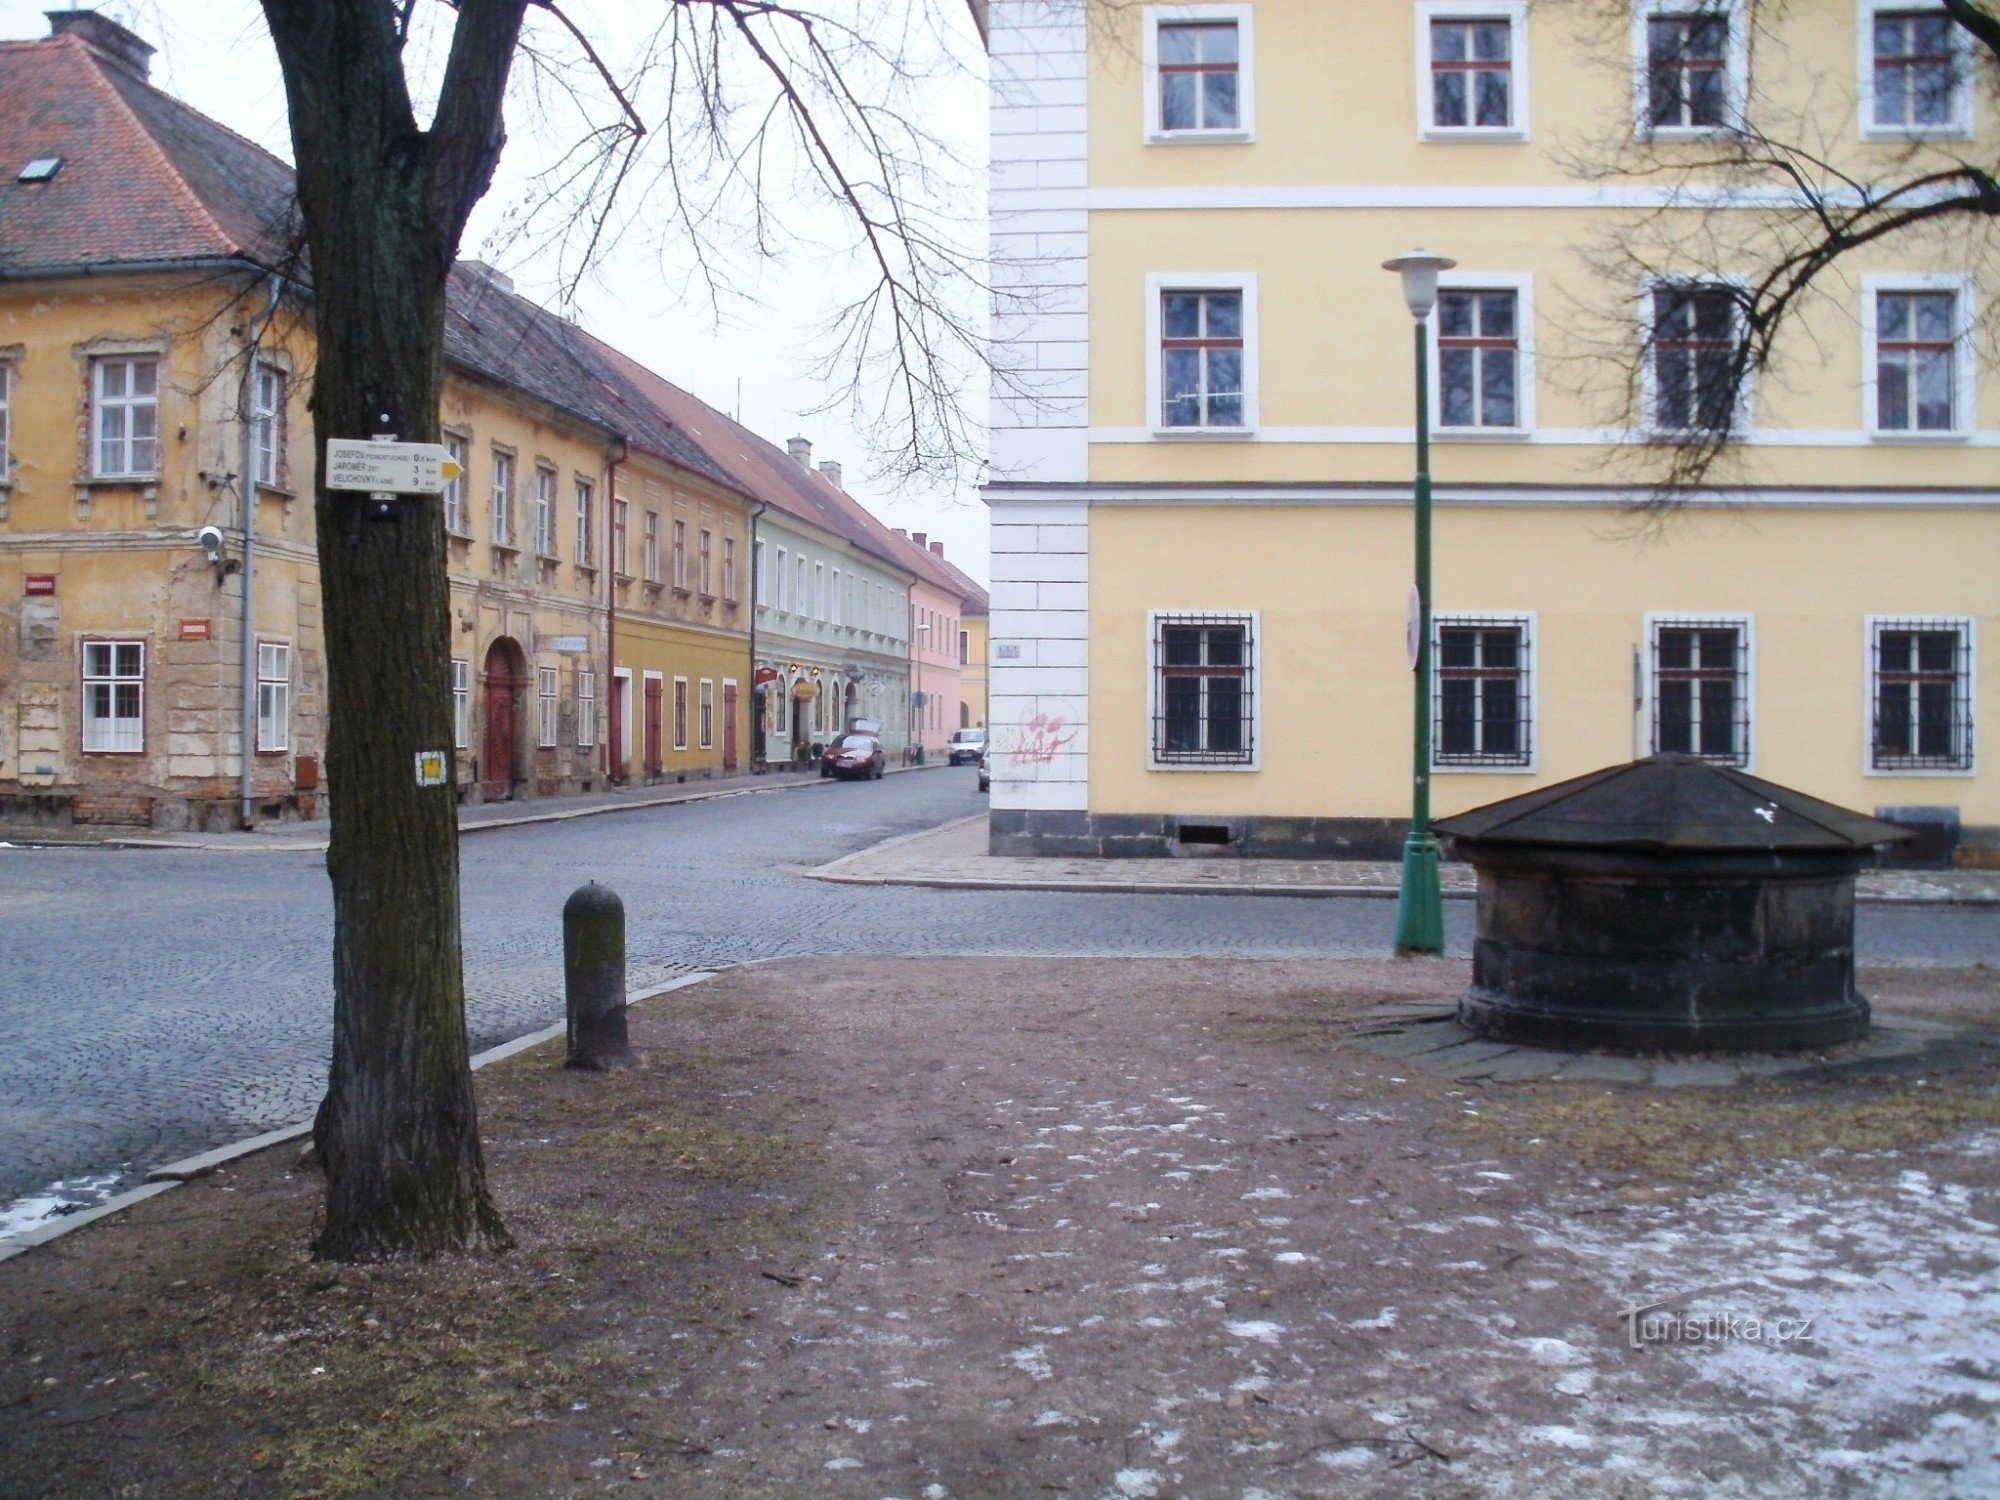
<point x="318" y="846"/>
<point x="174" y="1173"/>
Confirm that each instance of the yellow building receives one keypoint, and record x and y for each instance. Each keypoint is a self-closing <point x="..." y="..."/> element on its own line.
<point x="154" y="368"/>
<point x="1203" y="421"/>
<point x="972" y="649"/>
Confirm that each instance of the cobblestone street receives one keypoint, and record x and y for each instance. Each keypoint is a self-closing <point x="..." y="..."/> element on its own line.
<point x="159" y="1002"/>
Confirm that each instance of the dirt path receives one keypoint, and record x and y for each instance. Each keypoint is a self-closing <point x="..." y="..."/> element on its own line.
<point x="949" y="1228"/>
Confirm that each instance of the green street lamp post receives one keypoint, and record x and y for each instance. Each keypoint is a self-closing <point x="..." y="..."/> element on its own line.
<point x="1420" y="904"/>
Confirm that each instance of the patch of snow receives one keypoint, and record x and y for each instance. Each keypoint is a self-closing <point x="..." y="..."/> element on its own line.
<point x="1559" y="1437"/>
<point x="1265" y="1192"/>
<point x="1262" y="1330"/>
<point x="1032" y="1361"/>
<point x="841" y="1463"/>
<point x="1347" y="1458"/>
<point x="1137" y="1484"/>
<point x="1386" y="1318"/>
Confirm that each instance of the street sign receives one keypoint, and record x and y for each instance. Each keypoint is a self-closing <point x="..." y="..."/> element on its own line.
<point x="569" y="645"/>
<point x="389" y="468"/>
<point x="764" y="677"/>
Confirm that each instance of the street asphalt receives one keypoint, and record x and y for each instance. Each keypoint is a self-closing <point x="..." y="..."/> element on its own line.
<point x="155" y="1003"/>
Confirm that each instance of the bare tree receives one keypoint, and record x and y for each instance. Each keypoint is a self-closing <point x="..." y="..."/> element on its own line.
<point x="1748" y="228"/>
<point x="754" y="99"/>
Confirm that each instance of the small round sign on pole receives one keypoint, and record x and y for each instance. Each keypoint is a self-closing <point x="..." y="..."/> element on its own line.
<point x="1413" y="627"/>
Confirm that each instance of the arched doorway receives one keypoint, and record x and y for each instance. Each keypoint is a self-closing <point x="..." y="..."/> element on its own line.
<point x="804" y="692"/>
<point x="506" y="674"/>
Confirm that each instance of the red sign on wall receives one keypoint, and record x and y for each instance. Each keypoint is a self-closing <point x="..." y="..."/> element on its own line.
<point x="765" y="676"/>
<point x="194" y="630"/>
<point x="40" y="583"/>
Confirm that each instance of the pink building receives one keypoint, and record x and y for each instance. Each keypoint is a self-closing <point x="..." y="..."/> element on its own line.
<point x="939" y="596"/>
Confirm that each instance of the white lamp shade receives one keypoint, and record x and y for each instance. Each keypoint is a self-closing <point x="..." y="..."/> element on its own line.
<point x="1419" y="270"/>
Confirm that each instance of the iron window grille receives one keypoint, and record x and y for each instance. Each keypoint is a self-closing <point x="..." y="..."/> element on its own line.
<point x="1915" y="344"/>
<point x="1687" y="71"/>
<point x="1701" y="690"/>
<point x="1204" y="703"/>
<point x="1482" y="693"/>
<point x="1479" y="359"/>
<point x="1916" y="82"/>
<point x="1472" y="74"/>
<point x="1921" y="671"/>
<point x="1201" y="358"/>
<point x="1199" y="73"/>
<point x="1694" y="337"/>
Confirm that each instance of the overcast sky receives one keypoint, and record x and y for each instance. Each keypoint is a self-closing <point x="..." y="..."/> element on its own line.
<point x="217" y="57"/>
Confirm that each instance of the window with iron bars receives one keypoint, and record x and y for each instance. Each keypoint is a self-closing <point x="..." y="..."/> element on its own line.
<point x="1483" y="702"/>
<point x="1921" y="676"/>
<point x="1204" y="699"/>
<point x="1701" y="689"/>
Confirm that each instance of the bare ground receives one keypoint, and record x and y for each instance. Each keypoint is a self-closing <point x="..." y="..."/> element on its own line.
<point x="967" y="1228"/>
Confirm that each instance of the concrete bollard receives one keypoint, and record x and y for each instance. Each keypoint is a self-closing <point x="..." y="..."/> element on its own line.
<point x="594" y="978"/>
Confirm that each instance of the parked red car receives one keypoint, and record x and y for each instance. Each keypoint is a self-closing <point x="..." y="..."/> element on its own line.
<point x="857" y="755"/>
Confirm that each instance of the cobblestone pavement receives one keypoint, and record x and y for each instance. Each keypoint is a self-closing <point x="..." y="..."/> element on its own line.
<point x="955" y="857"/>
<point x="157" y="1002"/>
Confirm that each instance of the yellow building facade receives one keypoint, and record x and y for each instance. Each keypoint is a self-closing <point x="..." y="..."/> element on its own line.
<point x="1203" y="420"/>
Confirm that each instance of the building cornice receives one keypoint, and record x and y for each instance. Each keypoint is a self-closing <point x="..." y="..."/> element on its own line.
<point x="1540" y="496"/>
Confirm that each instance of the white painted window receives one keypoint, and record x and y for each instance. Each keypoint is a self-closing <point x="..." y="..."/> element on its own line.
<point x="1483" y="685"/>
<point x="1694" y="353"/>
<point x="784" y="582"/>
<point x="705" y="563"/>
<point x="1690" y="61"/>
<point x="548" y="691"/>
<point x="707" y="723"/>
<point x="114" y="697"/>
<point x="545" y="511"/>
<point x="1916" y="71"/>
<point x="1482" y="354"/>
<point x="801" y="588"/>
<point x="503" y="498"/>
<point x="760" y="583"/>
<point x="680" y="713"/>
<point x="126" y="416"/>
<point x="274" y="695"/>
<point x="729" y="569"/>
<point x="267" y="422"/>
<point x="586" y="523"/>
<point x="1201" y="376"/>
<point x="1919" y="382"/>
<point x="834" y="612"/>
<point x="1200" y="74"/>
<point x="6" y="421"/>
<point x="1700" y="687"/>
<point x="681" y="555"/>
<point x="819" y="591"/>
<point x="455" y="519"/>
<point x="1203" y="692"/>
<point x="1920" y="691"/>
<point x="461" y="702"/>
<point x="650" y="557"/>
<point x="621" y="527"/>
<point x="1472" y="73"/>
<point x="586" y="709"/>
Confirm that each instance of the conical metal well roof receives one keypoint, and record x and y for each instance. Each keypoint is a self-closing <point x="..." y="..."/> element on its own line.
<point x="1670" y="803"/>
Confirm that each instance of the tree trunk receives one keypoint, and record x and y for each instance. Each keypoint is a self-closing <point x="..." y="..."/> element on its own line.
<point x="384" y="204"/>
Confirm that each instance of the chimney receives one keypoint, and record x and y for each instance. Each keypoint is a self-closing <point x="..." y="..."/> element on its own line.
<point x="922" y="541"/>
<point x="123" y="49"/>
<point x="801" y="450"/>
<point x="937" y="549"/>
<point x="832" y="472"/>
<point x="901" y="532"/>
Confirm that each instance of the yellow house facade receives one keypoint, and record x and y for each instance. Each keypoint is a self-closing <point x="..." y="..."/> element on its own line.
<point x="1203" y="422"/>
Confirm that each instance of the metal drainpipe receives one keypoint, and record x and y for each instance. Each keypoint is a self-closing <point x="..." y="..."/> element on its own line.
<point x="757" y="727"/>
<point x="612" y="738"/>
<point x="246" y="790"/>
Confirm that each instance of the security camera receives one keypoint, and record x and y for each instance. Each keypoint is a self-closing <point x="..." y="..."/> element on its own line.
<point x="210" y="538"/>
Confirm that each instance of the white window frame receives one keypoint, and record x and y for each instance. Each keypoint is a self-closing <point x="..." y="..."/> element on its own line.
<point x="729" y="570"/>
<point x="1649" y="655"/>
<point x="1964" y="354"/>
<point x="461" y="702"/>
<point x="267" y="422"/>
<point x="1962" y="124"/>
<point x="1245" y="131"/>
<point x="1744" y="419"/>
<point x="1515" y="14"/>
<point x="782" y="600"/>
<point x="760" y="582"/>
<point x="680" y="548"/>
<point x="548" y="717"/>
<point x="1529" y="622"/>
<point x="704" y="562"/>
<point x="1523" y="288"/>
<point x="274" y="695"/>
<point x="801" y="586"/>
<point x="6" y="422"/>
<point x="1254" y="619"/>
<point x="621" y="536"/>
<point x="649" y="547"/>
<point x="819" y="610"/>
<point x="586" y="709"/>
<point x="834" y="610"/>
<point x="106" y="736"/>
<point x="457" y="521"/>
<point x="1158" y="284"/>
<point x="503" y="498"/>
<point x="586" y="522"/>
<point x="677" y="710"/>
<point x="705" y="714"/>
<point x="1735" y="62"/>
<point x="1968" y="625"/>
<point x="545" y="510"/>
<point x="101" y="405"/>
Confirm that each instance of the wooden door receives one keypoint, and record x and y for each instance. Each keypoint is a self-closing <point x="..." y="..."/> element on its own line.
<point x="655" y="759"/>
<point x="729" y="726"/>
<point x="497" y="759"/>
